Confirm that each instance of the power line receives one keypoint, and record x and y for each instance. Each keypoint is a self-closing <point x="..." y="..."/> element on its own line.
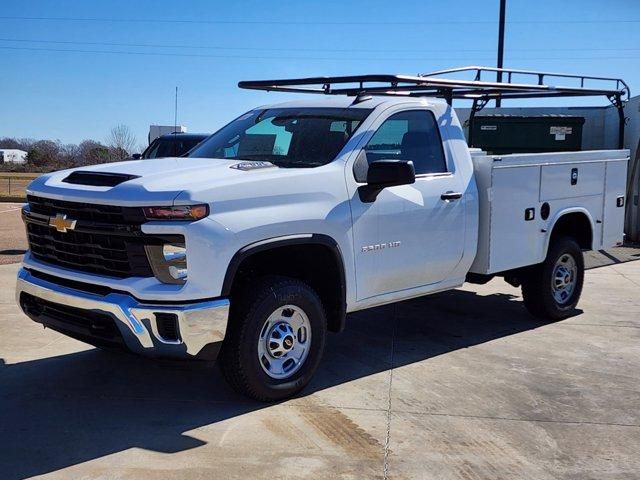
<point x="267" y="49"/>
<point x="203" y="55"/>
<point x="314" y="22"/>
<point x="217" y="47"/>
<point x="256" y="57"/>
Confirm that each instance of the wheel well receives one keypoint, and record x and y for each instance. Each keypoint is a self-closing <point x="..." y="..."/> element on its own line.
<point x="319" y="265"/>
<point x="577" y="226"/>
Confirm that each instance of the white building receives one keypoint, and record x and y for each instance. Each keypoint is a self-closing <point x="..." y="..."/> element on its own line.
<point x="12" y="155"/>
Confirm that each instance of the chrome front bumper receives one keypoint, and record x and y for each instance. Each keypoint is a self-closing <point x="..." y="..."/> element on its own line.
<point x="200" y="325"/>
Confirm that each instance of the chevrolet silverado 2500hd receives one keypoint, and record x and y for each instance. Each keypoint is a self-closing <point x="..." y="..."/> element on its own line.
<point x="295" y="214"/>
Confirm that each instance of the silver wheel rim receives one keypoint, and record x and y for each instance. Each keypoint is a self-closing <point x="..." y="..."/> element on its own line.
<point x="284" y="343"/>
<point x="563" y="280"/>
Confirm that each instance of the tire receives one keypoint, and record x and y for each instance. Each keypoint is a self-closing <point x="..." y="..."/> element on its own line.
<point x="545" y="288"/>
<point x="261" y="356"/>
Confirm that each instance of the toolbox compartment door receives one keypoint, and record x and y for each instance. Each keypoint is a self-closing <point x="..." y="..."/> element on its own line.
<point x="515" y="239"/>
<point x="571" y="180"/>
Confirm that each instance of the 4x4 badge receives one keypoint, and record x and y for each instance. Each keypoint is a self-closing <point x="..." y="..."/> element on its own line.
<point x="61" y="223"/>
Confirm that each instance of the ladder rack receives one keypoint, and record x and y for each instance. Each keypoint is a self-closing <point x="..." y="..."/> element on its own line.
<point x="478" y="90"/>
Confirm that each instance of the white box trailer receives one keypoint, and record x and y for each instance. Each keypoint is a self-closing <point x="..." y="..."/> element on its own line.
<point x="156" y="131"/>
<point x="511" y="187"/>
<point x="12" y="155"/>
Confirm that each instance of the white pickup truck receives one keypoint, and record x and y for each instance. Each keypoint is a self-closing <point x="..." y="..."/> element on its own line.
<point x="292" y="216"/>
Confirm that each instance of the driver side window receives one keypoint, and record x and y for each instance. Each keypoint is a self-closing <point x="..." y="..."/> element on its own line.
<point x="411" y="135"/>
<point x="263" y="139"/>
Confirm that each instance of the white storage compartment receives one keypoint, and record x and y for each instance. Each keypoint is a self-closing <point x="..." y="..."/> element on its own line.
<point x="513" y="189"/>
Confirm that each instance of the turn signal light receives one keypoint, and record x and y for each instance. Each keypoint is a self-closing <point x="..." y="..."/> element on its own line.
<point x="180" y="212"/>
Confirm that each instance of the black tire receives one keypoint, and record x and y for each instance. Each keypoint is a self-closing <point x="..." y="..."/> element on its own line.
<point x="239" y="357"/>
<point x="537" y="285"/>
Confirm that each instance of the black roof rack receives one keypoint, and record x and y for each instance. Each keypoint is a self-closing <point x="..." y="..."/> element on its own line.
<point x="479" y="90"/>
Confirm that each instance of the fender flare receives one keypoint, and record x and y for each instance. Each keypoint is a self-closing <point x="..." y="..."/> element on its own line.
<point x="561" y="214"/>
<point x="289" y="240"/>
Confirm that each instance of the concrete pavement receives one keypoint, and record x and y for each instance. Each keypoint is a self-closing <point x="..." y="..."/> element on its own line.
<point x="478" y="390"/>
<point x="13" y="240"/>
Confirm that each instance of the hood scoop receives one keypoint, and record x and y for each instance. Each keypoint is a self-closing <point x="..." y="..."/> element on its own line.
<point x="98" y="179"/>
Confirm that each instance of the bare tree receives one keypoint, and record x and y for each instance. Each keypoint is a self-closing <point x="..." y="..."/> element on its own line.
<point x="122" y="142"/>
<point x="91" y="152"/>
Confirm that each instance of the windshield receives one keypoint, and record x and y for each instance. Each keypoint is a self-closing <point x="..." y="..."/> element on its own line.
<point x="170" y="147"/>
<point x="287" y="137"/>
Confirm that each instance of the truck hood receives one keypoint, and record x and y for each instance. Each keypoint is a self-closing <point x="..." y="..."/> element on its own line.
<point x="158" y="181"/>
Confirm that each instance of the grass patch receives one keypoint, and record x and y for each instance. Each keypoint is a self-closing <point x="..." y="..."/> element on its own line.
<point x="12" y="198"/>
<point x="19" y="175"/>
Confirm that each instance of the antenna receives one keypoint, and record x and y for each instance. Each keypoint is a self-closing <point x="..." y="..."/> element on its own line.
<point x="175" y="124"/>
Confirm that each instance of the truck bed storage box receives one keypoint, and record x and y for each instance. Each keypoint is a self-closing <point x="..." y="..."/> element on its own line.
<point x="502" y="134"/>
<point x="521" y="197"/>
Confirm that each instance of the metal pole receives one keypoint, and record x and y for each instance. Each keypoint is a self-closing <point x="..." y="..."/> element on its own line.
<point x="503" y="7"/>
<point x="472" y="117"/>
<point x="620" y="107"/>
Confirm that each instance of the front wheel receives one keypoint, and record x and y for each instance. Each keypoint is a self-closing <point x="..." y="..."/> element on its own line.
<point x="275" y="339"/>
<point x="552" y="289"/>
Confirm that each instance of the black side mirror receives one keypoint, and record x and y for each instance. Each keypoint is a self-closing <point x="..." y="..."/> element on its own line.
<point x="386" y="173"/>
<point x="136" y="156"/>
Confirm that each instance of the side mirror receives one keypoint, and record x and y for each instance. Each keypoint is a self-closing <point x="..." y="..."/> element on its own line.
<point x="386" y="173"/>
<point x="136" y="156"/>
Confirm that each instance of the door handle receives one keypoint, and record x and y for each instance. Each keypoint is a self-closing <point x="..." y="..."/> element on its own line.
<point x="451" y="195"/>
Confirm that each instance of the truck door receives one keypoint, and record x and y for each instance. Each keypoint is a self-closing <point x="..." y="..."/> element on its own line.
<point x="411" y="235"/>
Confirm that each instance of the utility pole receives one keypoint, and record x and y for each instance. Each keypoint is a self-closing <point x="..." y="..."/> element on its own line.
<point x="503" y="7"/>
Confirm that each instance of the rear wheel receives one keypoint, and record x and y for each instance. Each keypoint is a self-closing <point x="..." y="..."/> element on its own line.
<point x="552" y="289"/>
<point x="275" y="339"/>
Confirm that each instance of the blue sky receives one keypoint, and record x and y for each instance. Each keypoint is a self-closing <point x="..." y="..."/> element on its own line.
<point x="57" y="83"/>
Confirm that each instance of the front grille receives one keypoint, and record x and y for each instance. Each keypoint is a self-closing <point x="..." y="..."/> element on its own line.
<point x="106" y="240"/>
<point x="73" y="284"/>
<point x="90" y="326"/>
<point x="86" y="212"/>
<point x="102" y="254"/>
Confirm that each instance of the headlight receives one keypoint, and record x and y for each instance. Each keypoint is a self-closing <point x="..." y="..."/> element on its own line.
<point x="180" y="212"/>
<point x="168" y="262"/>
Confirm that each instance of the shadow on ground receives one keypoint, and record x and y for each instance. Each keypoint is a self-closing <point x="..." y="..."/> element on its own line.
<point x="613" y="256"/>
<point x="60" y="411"/>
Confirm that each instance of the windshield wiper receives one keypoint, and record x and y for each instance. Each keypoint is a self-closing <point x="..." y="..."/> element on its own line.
<point x="295" y="164"/>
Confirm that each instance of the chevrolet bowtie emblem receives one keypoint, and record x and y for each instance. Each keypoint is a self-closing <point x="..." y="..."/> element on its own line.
<point x="61" y="223"/>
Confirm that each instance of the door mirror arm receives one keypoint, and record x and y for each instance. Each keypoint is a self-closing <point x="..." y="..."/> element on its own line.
<point x="386" y="173"/>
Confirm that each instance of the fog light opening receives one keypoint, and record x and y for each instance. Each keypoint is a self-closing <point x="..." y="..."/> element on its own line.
<point x="168" y="262"/>
<point x="175" y="256"/>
